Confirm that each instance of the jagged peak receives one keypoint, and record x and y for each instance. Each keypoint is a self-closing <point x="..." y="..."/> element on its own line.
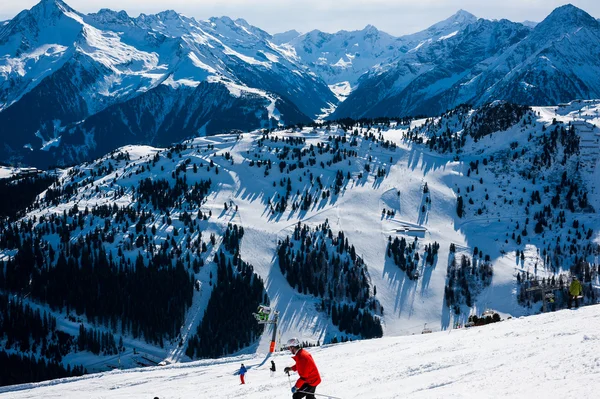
<point x="569" y="15"/>
<point x="461" y="17"/>
<point x="46" y="7"/>
<point x="463" y="14"/>
<point x="457" y="21"/>
<point x="223" y="19"/>
<point x="370" y="28"/>
<point x="108" y="11"/>
<point x="530" y="24"/>
<point x="290" y="32"/>
<point x="168" y="14"/>
<point x="108" y="15"/>
<point x="243" y="22"/>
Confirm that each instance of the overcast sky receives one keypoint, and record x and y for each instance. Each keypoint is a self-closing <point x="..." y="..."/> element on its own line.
<point x="393" y="16"/>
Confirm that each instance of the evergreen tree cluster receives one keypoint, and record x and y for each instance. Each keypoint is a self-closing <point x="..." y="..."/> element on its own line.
<point x="288" y="154"/>
<point x="318" y="263"/>
<point x="441" y="134"/>
<point x="222" y="330"/>
<point x="20" y="369"/>
<point x="475" y="320"/>
<point x="18" y="193"/>
<point x="406" y="256"/>
<point x="232" y="237"/>
<point x="495" y="117"/>
<point x="96" y="341"/>
<point x="31" y="331"/>
<point x="41" y="346"/>
<point x="464" y="281"/>
<point x="162" y="196"/>
<point x="148" y="300"/>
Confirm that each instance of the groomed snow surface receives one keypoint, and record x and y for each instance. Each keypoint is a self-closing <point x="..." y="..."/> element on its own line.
<point x="555" y="355"/>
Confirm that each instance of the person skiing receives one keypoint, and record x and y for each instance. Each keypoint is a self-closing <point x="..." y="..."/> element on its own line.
<point x="575" y="291"/>
<point x="273" y="369"/>
<point x="242" y="372"/>
<point x="307" y="370"/>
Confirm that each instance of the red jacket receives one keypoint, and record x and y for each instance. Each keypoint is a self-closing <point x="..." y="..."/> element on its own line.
<point x="306" y="368"/>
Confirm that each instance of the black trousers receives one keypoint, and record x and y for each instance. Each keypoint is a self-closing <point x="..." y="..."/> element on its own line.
<point x="574" y="297"/>
<point x="305" y="391"/>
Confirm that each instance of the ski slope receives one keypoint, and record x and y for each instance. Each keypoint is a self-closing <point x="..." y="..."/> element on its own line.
<point x="553" y="355"/>
<point x="250" y="193"/>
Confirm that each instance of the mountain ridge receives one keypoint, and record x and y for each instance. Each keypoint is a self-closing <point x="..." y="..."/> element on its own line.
<point x="112" y="58"/>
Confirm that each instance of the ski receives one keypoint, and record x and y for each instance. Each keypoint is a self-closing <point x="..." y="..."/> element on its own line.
<point x="320" y="394"/>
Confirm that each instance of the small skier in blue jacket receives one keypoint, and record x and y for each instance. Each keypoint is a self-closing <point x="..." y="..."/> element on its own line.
<point x="242" y="373"/>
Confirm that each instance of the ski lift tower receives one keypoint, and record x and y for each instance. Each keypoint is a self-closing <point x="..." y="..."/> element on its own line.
<point x="273" y="319"/>
<point x="547" y="291"/>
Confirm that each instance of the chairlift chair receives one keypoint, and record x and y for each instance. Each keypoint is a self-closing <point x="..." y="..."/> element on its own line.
<point x="426" y="330"/>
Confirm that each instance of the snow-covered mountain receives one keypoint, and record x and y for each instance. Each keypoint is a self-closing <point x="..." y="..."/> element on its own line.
<point x="508" y="359"/>
<point x="349" y="231"/>
<point x="554" y="61"/>
<point x="285" y="37"/>
<point x="59" y="67"/>
<point x="343" y="57"/>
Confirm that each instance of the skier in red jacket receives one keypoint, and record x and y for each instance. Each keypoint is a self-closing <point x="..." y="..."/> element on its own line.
<point x="307" y="370"/>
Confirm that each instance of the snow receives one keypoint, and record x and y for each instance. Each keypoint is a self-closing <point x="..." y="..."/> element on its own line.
<point x="550" y="355"/>
<point x="6" y="172"/>
<point x="448" y="36"/>
<point x="420" y="45"/>
<point x="342" y="63"/>
<point x="249" y="60"/>
<point x="341" y="90"/>
<point x="116" y="57"/>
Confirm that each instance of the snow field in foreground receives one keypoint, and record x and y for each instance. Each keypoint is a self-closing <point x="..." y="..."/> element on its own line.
<point x="553" y="355"/>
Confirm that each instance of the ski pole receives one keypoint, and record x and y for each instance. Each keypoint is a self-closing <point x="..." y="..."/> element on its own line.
<point x="289" y="380"/>
<point x="320" y="394"/>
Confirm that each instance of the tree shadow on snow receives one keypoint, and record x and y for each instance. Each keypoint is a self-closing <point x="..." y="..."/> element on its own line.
<point x="405" y="287"/>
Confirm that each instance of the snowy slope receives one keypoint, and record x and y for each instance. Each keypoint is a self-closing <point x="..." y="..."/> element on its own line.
<point x="252" y="191"/>
<point x="552" y="355"/>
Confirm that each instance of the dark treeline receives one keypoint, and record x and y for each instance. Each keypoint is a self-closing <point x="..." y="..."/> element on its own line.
<point x="147" y="298"/>
<point x="404" y="256"/>
<point x="19" y="369"/>
<point x="140" y="286"/>
<point x="228" y="324"/>
<point x="32" y="333"/>
<point x="162" y="196"/>
<point x="464" y="281"/>
<point x="318" y="263"/>
<point x="495" y="117"/>
<point x="96" y="341"/>
<point x="18" y="194"/>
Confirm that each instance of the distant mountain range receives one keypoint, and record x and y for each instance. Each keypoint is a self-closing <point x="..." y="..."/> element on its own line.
<point x="74" y="86"/>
